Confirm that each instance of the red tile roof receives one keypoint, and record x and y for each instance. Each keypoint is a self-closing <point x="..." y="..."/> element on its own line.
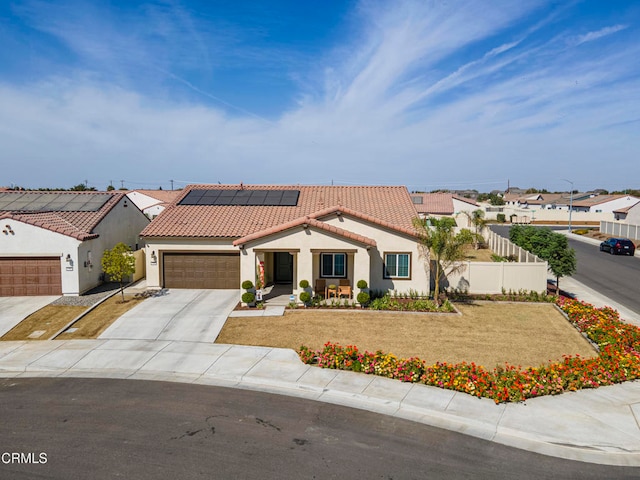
<point x="309" y="221"/>
<point x="440" y="203"/>
<point x="387" y="205"/>
<point x="78" y="225"/>
<point x="163" y="196"/>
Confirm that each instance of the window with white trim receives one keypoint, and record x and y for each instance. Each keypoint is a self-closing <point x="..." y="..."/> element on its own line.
<point x="397" y="265"/>
<point x="333" y="265"/>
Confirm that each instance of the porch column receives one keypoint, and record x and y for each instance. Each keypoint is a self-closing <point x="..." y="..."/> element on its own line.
<point x="259" y="260"/>
<point x="303" y="269"/>
<point x="361" y="269"/>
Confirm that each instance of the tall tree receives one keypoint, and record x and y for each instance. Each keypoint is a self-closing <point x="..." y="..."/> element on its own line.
<point x="549" y="246"/>
<point x="439" y="243"/>
<point x="118" y="263"/>
<point x="561" y="258"/>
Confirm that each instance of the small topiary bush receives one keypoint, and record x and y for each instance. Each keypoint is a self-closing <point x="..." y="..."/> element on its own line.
<point x="501" y="218"/>
<point x="363" y="298"/>
<point x="247" y="284"/>
<point x="305" y="297"/>
<point x="361" y="284"/>
<point x="248" y="297"/>
<point x="304" y="284"/>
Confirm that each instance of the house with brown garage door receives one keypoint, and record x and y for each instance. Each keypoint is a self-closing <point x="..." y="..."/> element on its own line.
<point x="51" y="243"/>
<point x="217" y="236"/>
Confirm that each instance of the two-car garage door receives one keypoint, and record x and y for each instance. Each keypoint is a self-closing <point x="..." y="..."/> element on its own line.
<point x="201" y="270"/>
<point x="30" y="276"/>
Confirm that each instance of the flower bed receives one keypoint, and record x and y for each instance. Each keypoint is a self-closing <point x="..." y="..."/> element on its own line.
<point x="618" y="361"/>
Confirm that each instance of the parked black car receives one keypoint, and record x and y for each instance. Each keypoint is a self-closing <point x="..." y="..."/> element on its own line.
<point x="616" y="246"/>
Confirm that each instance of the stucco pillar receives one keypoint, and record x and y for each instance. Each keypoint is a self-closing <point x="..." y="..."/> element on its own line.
<point x="303" y="269"/>
<point x="361" y="269"/>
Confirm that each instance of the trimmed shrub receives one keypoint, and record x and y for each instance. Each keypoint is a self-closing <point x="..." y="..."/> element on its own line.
<point x="247" y="284"/>
<point x="248" y="297"/>
<point x="305" y="297"/>
<point x="361" y="284"/>
<point x="363" y="298"/>
<point x="501" y="218"/>
<point x="304" y="284"/>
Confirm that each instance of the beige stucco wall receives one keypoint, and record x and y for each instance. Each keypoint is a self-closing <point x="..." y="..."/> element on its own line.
<point x="306" y="245"/>
<point x="31" y="241"/>
<point x="633" y="216"/>
<point x="362" y="263"/>
<point x="539" y="214"/>
<point x="154" y="247"/>
<point x="493" y="277"/>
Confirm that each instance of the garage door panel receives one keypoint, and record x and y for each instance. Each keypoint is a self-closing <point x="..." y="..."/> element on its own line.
<point x="30" y="276"/>
<point x="201" y="270"/>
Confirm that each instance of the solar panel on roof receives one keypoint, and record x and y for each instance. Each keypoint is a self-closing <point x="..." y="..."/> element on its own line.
<point x="52" y="201"/>
<point x="222" y="197"/>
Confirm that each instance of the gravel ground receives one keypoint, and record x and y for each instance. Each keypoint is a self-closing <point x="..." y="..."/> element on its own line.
<point x="90" y="298"/>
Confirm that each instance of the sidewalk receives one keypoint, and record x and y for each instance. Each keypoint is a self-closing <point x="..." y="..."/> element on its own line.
<point x="599" y="426"/>
<point x="586" y="294"/>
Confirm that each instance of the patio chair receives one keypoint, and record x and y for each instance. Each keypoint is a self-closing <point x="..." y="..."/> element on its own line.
<point x="344" y="288"/>
<point x="320" y="288"/>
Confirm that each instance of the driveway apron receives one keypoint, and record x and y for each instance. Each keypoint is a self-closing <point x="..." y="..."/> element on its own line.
<point x="177" y="315"/>
<point x="15" y="309"/>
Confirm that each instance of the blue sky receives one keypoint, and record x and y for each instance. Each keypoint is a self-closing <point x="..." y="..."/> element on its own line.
<point x="428" y="94"/>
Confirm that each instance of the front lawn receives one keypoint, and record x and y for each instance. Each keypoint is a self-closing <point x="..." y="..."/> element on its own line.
<point x="486" y="333"/>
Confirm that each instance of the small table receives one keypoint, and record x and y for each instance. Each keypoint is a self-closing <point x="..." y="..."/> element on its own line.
<point x="331" y="291"/>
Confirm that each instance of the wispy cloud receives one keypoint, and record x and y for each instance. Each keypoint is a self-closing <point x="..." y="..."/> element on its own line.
<point x="415" y="93"/>
<point x="603" y="32"/>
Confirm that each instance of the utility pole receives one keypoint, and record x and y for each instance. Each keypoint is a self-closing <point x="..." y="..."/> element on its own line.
<point x="122" y="184"/>
<point x="171" y="184"/>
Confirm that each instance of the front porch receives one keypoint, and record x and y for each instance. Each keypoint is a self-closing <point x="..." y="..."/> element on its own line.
<point x="280" y="273"/>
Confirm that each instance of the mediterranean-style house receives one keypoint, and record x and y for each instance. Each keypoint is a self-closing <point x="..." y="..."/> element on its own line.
<point x="52" y="242"/>
<point x="218" y="236"/>
<point x="443" y="204"/>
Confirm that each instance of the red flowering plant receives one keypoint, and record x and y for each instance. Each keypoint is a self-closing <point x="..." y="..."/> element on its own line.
<point x="618" y="361"/>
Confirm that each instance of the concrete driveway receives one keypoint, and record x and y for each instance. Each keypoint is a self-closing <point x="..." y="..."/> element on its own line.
<point x="15" y="309"/>
<point x="178" y="315"/>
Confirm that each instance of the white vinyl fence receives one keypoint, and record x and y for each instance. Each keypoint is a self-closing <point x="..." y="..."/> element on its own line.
<point x="616" y="229"/>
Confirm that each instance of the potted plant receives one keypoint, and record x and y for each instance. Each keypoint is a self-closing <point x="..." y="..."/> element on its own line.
<point x="363" y="297"/>
<point x="248" y="297"/>
<point x="305" y="297"/>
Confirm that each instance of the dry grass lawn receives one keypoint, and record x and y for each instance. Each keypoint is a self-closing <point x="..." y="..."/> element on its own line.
<point x="488" y="334"/>
<point x="97" y="320"/>
<point x="480" y="255"/>
<point x="48" y="320"/>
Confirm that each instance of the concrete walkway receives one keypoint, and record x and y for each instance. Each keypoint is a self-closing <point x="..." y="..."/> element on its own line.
<point x="598" y="426"/>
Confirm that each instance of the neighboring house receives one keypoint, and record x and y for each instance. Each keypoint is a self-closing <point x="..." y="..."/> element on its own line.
<point x="604" y="203"/>
<point x="152" y="202"/>
<point x="217" y="236"/>
<point x="630" y="214"/>
<point x="52" y="242"/>
<point x="444" y="205"/>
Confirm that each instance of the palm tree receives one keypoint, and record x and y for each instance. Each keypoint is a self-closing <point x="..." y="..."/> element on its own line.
<point x="440" y="243"/>
<point x="476" y="218"/>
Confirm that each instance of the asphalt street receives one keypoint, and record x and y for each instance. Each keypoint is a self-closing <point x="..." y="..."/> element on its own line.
<point x="614" y="276"/>
<point x="101" y="428"/>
